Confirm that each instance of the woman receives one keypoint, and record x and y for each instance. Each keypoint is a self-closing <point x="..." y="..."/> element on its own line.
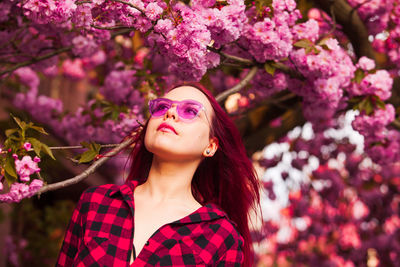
<point x="187" y="198"/>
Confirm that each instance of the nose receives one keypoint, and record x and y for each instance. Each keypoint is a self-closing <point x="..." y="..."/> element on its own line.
<point x="171" y="113"/>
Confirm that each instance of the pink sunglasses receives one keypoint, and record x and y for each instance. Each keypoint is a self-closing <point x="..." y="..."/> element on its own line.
<point x="187" y="110"/>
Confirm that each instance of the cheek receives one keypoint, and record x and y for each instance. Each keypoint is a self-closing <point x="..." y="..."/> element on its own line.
<point x="198" y="138"/>
<point x="149" y="136"/>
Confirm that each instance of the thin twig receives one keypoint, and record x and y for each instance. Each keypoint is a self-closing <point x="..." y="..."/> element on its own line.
<point x="83" y="2"/>
<point x="249" y="76"/>
<point x="234" y="58"/>
<point x="396" y="124"/>
<point x="111" y="28"/>
<point x="35" y="60"/>
<point x="76" y="147"/>
<point x="129" y="4"/>
<point x="88" y="171"/>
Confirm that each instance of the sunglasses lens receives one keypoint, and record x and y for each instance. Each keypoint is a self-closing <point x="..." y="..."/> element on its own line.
<point x="188" y="110"/>
<point x="158" y="107"/>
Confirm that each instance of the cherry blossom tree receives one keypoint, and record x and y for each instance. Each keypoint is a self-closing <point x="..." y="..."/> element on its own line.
<point x="272" y="64"/>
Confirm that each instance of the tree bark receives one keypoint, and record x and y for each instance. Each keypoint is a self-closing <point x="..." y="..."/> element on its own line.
<point x="353" y="26"/>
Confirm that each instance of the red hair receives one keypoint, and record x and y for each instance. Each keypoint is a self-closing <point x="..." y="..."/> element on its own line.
<point x="227" y="179"/>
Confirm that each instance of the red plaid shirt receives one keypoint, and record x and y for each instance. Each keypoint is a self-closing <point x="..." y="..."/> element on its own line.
<point x="100" y="233"/>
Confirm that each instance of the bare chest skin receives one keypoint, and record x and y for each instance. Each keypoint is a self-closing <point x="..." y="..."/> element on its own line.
<point x="149" y="217"/>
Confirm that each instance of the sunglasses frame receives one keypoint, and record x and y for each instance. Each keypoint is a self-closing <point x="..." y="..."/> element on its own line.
<point x="177" y="108"/>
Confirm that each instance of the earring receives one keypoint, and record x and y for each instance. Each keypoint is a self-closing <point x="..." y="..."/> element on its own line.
<point x="208" y="151"/>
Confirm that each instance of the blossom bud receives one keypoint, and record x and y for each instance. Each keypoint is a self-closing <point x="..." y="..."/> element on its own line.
<point x="27" y="146"/>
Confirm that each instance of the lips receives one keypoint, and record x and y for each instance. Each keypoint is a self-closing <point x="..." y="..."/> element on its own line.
<point x="165" y="127"/>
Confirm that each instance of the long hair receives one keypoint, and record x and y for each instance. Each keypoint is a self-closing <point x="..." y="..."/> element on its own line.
<point x="227" y="179"/>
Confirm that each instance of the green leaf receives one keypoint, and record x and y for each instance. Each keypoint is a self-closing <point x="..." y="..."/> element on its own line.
<point x="47" y="150"/>
<point x="39" y="129"/>
<point x="11" y="131"/>
<point x="96" y="147"/>
<point x="87" y="156"/>
<point x="115" y="115"/>
<point x="85" y="144"/>
<point x="10" y="179"/>
<point x="36" y="144"/>
<point x="359" y="75"/>
<point x="379" y="103"/>
<point x="10" y="167"/>
<point x="325" y="47"/>
<point x="303" y="43"/>
<point x="366" y="105"/>
<point x="269" y="68"/>
<point x="18" y="121"/>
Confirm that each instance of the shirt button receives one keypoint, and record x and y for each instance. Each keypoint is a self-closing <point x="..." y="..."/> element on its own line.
<point x="147" y="243"/>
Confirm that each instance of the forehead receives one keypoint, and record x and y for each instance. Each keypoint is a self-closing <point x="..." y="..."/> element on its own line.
<point x="189" y="93"/>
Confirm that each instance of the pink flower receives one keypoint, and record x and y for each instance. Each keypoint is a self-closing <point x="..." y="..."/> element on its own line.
<point x="366" y="63"/>
<point x="349" y="237"/>
<point x="308" y="30"/>
<point x="73" y="68"/>
<point x="379" y="84"/>
<point x="84" y="46"/>
<point x="19" y="191"/>
<point x="28" y="77"/>
<point x="25" y="167"/>
<point x="27" y="146"/>
<point x="153" y="11"/>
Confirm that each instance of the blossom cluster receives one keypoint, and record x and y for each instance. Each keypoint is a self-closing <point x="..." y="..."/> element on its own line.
<point x="25" y="167"/>
<point x="381" y="143"/>
<point x="332" y="219"/>
<point x="327" y="71"/>
<point x="382" y="17"/>
<point x="86" y="123"/>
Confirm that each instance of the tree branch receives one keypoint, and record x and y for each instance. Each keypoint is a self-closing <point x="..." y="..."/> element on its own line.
<point x="131" y="5"/>
<point x="231" y="57"/>
<point x="352" y="24"/>
<point x="396" y="124"/>
<point x="35" y="60"/>
<point x="249" y="76"/>
<point x="88" y="171"/>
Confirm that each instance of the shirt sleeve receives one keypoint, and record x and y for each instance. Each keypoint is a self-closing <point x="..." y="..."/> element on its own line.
<point x="72" y="237"/>
<point x="233" y="255"/>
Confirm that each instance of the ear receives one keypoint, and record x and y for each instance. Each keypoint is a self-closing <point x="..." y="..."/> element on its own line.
<point x="211" y="148"/>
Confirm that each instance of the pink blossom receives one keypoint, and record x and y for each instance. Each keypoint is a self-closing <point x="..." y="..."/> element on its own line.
<point x="28" y="77"/>
<point x="1" y="184"/>
<point x="73" y="68"/>
<point x="84" y="46"/>
<point x="82" y="17"/>
<point x="27" y="146"/>
<point x="392" y="224"/>
<point x="153" y="11"/>
<point x="349" y="237"/>
<point x="26" y="167"/>
<point x="18" y="191"/>
<point x="366" y="64"/>
<point x="379" y="84"/>
<point x="308" y="30"/>
<point x="118" y="86"/>
<point x="360" y="210"/>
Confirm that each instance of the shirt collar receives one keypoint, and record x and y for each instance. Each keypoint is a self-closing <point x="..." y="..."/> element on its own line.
<point x="208" y="212"/>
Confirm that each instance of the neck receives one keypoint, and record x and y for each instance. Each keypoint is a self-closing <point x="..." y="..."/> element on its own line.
<point x="170" y="180"/>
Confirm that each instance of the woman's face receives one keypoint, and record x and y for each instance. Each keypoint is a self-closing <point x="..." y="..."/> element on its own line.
<point x="171" y="138"/>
